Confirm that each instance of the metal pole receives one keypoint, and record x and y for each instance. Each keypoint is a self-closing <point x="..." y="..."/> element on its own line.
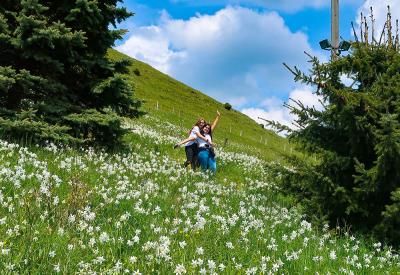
<point x="335" y="28"/>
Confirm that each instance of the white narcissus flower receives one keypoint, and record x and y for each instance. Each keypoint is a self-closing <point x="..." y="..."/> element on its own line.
<point x="57" y="268"/>
<point x="104" y="237"/>
<point x="182" y="244"/>
<point x="332" y="255"/>
<point x="200" y="250"/>
<point x="180" y="269"/>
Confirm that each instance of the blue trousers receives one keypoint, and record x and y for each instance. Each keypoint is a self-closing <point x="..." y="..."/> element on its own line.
<point x="207" y="161"/>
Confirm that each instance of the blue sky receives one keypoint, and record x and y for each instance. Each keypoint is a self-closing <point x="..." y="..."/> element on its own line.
<point x="315" y="21"/>
<point x="233" y="50"/>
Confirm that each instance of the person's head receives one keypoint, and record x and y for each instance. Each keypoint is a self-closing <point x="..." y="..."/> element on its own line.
<point x="207" y="129"/>
<point x="200" y="123"/>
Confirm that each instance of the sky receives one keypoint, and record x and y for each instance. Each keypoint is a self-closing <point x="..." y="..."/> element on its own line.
<point x="233" y="50"/>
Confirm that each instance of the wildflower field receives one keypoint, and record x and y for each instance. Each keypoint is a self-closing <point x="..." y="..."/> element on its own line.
<point x="137" y="211"/>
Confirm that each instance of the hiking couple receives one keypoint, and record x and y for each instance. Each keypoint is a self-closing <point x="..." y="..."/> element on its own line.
<point x="199" y="147"/>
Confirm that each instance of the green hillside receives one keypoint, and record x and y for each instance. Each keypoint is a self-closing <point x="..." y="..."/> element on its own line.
<point x="181" y="105"/>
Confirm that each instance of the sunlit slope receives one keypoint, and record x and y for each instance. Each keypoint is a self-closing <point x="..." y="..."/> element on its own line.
<point x="174" y="102"/>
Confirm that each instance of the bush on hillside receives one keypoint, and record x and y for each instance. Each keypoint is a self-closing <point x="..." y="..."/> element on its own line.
<point x="136" y="72"/>
<point x="56" y="81"/>
<point x="228" y="106"/>
<point x="355" y="176"/>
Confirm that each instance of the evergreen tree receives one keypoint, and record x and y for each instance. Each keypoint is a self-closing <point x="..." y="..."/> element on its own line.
<point x="55" y="79"/>
<point x="355" y="177"/>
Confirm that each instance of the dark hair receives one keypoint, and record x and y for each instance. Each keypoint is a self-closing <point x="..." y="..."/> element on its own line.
<point x="202" y="131"/>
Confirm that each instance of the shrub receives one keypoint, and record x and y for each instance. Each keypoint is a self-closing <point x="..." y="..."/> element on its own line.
<point x="136" y="72"/>
<point x="228" y="106"/>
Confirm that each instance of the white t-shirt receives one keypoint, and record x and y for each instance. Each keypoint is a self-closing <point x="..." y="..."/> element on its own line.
<point x="193" y="132"/>
<point x="203" y="143"/>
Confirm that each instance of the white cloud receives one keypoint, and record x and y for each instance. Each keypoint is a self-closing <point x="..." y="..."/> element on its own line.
<point x="282" y="5"/>
<point x="380" y="12"/>
<point x="150" y="45"/>
<point x="271" y="101"/>
<point x="234" y="55"/>
<point x="274" y="110"/>
<point x="280" y="115"/>
<point x="307" y="97"/>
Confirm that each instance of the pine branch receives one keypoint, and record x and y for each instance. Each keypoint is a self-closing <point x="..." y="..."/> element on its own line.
<point x="277" y="125"/>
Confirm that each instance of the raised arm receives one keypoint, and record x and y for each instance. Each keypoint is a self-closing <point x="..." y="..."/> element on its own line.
<point x="215" y="121"/>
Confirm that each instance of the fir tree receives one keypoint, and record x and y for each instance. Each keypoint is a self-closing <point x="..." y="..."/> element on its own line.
<point x="355" y="177"/>
<point x="55" y="79"/>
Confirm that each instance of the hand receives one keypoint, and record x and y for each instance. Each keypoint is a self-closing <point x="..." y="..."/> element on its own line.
<point x="218" y="113"/>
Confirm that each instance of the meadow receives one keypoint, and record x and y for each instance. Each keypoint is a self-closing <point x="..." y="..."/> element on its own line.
<point x="138" y="211"/>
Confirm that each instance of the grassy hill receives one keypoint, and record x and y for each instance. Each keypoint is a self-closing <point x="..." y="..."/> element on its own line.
<point x="181" y="105"/>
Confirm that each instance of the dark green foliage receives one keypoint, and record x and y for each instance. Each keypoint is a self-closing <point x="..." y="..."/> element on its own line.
<point x="55" y="79"/>
<point x="353" y="172"/>
<point x="102" y="127"/>
<point x="136" y="72"/>
<point x="227" y="106"/>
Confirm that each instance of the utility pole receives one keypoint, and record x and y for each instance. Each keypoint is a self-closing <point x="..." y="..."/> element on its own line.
<point x="334" y="28"/>
<point x="334" y="45"/>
